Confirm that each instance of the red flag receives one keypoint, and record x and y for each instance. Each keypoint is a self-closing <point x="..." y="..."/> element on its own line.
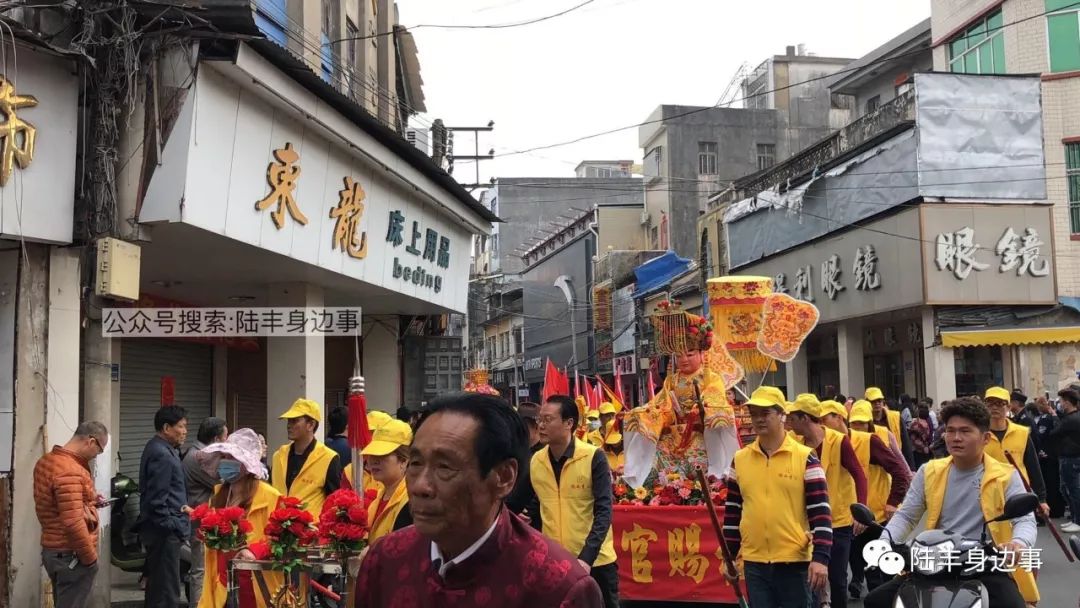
<point x="551" y="381"/>
<point x="590" y="395"/>
<point x="619" y="391"/>
<point x="359" y="433"/>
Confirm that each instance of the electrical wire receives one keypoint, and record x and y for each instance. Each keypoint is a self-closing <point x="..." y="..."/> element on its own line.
<point x="698" y="110"/>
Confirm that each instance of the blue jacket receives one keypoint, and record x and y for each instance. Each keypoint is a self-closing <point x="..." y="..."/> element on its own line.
<point x="340" y="445"/>
<point x="163" y="489"/>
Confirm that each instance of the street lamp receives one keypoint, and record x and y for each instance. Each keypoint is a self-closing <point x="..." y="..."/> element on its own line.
<point x="564" y="283"/>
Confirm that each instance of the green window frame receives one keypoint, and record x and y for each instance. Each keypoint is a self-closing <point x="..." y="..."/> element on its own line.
<point x="1063" y="35"/>
<point x="980" y="49"/>
<point x="1072" y="178"/>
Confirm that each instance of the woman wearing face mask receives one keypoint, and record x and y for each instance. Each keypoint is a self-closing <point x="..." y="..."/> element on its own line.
<point x="237" y="463"/>
<point x="386" y="457"/>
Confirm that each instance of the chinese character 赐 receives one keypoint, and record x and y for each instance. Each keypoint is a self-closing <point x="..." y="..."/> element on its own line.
<point x="804" y="288"/>
<point x="1021" y="253"/>
<point x="778" y="283"/>
<point x="955" y="251"/>
<point x="397" y="224"/>
<point x="637" y="542"/>
<point x="684" y="553"/>
<point x="431" y="241"/>
<point x="15" y="129"/>
<point x="865" y="269"/>
<point x="282" y="176"/>
<point x="830" y="276"/>
<point x="349" y="210"/>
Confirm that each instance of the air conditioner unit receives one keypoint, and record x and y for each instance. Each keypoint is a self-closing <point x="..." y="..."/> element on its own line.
<point x="645" y="217"/>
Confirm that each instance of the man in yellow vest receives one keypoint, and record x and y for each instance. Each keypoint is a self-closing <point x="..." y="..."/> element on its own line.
<point x="593" y="431"/>
<point x="777" y="511"/>
<point x="607" y="415"/>
<point x="573" y="482"/>
<point x="884" y="416"/>
<point x="1008" y="437"/>
<point x="960" y="493"/>
<point x="613" y="449"/>
<point x="888" y="477"/>
<point x="305" y="468"/>
<point x="847" y="486"/>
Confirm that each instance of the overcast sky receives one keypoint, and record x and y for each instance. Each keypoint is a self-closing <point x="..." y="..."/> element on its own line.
<point x="609" y="64"/>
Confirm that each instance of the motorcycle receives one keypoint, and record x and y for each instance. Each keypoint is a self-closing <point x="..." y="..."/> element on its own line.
<point x="1074" y="543"/>
<point x="127" y="551"/>
<point x="948" y="569"/>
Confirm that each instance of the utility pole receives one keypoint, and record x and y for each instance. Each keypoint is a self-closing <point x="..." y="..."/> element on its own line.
<point x="476" y="158"/>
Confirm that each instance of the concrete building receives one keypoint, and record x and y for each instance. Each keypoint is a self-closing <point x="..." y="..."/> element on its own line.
<point x="503" y="348"/>
<point x="604" y="168"/>
<point x="692" y="152"/>
<point x="1031" y="37"/>
<point x="835" y="225"/>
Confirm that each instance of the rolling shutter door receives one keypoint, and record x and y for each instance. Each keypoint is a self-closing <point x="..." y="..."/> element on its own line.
<point x="143" y="363"/>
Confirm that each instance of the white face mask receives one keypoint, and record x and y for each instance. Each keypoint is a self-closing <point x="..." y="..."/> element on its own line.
<point x="594" y="425"/>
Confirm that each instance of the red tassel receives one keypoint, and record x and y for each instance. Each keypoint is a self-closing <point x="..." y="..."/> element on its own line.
<point x="359" y="433"/>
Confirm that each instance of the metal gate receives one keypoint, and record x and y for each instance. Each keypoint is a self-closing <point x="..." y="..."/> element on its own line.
<point x="143" y="363"/>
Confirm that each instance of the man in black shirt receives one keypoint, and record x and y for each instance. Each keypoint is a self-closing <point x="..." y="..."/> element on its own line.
<point x="1065" y="441"/>
<point x="1046" y="421"/>
<point x="523" y="500"/>
<point x="163" y="511"/>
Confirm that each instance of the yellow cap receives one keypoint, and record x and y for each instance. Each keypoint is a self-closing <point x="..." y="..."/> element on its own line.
<point x="388" y="438"/>
<point x="592" y="414"/>
<point x="613" y="438"/>
<point x="834" y="407"/>
<point x="303" y="407"/>
<point x="861" y="411"/>
<point x="996" y="392"/>
<point x="768" y="396"/>
<point x="607" y="407"/>
<point x="807" y="403"/>
<point x="376" y="418"/>
<point x="873" y="394"/>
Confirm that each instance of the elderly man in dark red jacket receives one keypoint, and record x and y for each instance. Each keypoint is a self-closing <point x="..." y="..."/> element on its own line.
<point x="66" y="505"/>
<point x="465" y="547"/>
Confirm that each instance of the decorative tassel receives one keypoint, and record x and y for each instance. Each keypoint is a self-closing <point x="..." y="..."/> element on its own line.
<point x="359" y="433"/>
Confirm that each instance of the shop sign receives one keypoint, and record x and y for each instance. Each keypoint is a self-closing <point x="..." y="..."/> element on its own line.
<point x="625" y="364"/>
<point x="956" y="251"/>
<point x="436" y="249"/>
<point x="18" y="136"/>
<point x="534" y="363"/>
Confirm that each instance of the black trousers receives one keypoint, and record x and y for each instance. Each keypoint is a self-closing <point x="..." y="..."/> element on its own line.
<point x="1052" y="475"/>
<point x="608" y="579"/>
<point x="1000" y="587"/>
<point x="873" y="577"/>
<point x="838" y="565"/>
<point x="162" y="567"/>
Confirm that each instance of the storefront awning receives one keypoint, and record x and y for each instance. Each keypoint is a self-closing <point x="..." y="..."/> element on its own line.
<point x="1009" y="337"/>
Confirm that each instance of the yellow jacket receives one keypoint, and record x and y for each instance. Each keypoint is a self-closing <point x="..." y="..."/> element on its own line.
<point x="309" y="483"/>
<point x="384" y="524"/>
<point x="214" y="592"/>
<point x="615" y="462"/>
<point x="1015" y="443"/>
<point x="894" y="420"/>
<point x="774" y="527"/>
<point x="878" y="481"/>
<point x="369" y="482"/>
<point x="841" y="484"/>
<point x="995" y="482"/>
<point x="566" y="506"/>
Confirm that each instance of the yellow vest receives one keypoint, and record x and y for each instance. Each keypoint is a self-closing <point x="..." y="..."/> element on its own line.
<point x="595" y="438"/>
<point x="309" y="483"/>
<point x="774" y="527"/>
<point x="566" y="506"/>
<point x="841" y="484"/>
<point x="369" y="482"/>
<point x="615" y="461"/>
<point x="995" y="481"/>
<point x="1014" y="443"/>
<point x="385" y="523"/>
<point x="878" y="480"/>
<point x="214" y="593"/>
<point x="894" y="420"/>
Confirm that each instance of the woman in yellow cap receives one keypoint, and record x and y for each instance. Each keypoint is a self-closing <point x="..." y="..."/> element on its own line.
<point x="375" y="419"/>
<point x="386" y="457"/>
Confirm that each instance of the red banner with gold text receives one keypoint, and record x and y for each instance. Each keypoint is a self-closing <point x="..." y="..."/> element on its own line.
<point x="669" y="553"/>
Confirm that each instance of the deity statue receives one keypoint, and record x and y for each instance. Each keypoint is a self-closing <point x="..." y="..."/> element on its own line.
<point x="689" y="424"/>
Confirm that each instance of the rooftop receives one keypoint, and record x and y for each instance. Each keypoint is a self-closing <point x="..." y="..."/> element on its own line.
<point x="856" y="73"/>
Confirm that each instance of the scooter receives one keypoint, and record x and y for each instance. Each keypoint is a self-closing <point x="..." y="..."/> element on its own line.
<point x="127" y="551"/>
<point x="1074" y="543"/>
<point x="948" y="569"/>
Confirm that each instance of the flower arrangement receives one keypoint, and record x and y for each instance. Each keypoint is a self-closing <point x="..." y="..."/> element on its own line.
<point x="221" y="529"/>
<point x="289" y="530"/>
<point x="669" y="489"/>
<point x="343" y="525"/>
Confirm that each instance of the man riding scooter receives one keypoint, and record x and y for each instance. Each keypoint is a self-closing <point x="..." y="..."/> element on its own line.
<point x="960" y="493"/>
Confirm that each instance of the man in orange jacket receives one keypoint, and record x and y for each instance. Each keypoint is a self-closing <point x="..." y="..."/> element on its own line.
<point x="66" y="505"/>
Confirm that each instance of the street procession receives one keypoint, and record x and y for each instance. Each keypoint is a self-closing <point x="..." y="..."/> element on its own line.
<point x="522" y="304"/>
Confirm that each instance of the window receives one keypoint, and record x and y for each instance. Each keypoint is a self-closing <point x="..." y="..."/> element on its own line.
<point x="873" y="103"/>
<point x="1072" y="176"/>
<point x="652" y="163"/>
<point x="981" y="48"/>
<point x="351" y="34"/>
<point x="1063" y="32"/>
<point x="518" y="348"/>
<point x="706" y="157"/>
<point x="766" y="156"/>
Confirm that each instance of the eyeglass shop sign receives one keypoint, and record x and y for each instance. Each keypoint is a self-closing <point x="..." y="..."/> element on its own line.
<point x="969" y="254"/>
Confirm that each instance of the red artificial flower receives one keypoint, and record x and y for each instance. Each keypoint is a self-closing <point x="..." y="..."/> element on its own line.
<point x="245" y="526"/>
<point x="357" y="514"/>
<point x="224" y="527"/>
